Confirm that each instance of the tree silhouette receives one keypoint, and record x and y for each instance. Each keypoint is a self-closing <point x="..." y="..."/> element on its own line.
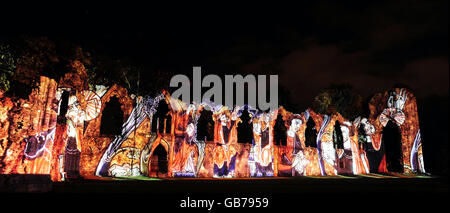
<point x="339" y="98"/>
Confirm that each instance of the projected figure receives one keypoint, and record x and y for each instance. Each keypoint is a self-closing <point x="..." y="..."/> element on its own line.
<point x="295" y="157"/>
<point x="226" y="139"/>
<point x="299" y="160"/>
<point x="85" y="106"/>
<point x="366" y="151"/>
<point x="72" y="150"/>
<point x="184" y="150"/>
<point x="263" y="144"/>
<point x="326" y="147"/>
<point x="346" y="156"/>
<point x="394" y="110"/>
<point x="145" y="109"/>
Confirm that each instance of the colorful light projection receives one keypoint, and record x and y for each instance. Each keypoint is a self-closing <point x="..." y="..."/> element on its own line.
<point x="28" y="142"/>
<point x="394" y="108"/>
<point x="82" y="107"/>
<point x="316" y="144"/>
<point x="398" y="106"/>
<point x="293" y="160"/>
<point x="261" y="159"/>
<point x="95" y="141"/>
<point x="345" y="160"/>
<point x="365" y="145"/>
<point x="39" y="147"/>
<point x="184" y="158"/>
<point x="225" y="139"/>
<point x="145" y="108"/>
<point x="416" y="157"/>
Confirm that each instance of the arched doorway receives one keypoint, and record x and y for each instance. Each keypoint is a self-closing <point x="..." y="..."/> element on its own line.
<point x="393" y="147"/>
<point x="112" y="118"/>
<point x="310" y="134"/>
<point x="158" y="162"/>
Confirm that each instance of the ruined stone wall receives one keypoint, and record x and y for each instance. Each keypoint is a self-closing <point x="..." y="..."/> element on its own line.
<point x="93" y="127"/>
<point x="94" y="144"/>
<point x="405" y="116"/>
<point x="32" y="141"/>
<point x="29" y="124"/>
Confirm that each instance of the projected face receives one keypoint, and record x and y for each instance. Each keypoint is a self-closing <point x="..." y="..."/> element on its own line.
<point x="190" y="130"/>
<point x="191" y="108"/>
<point x="295" y="124"/>
<point x="265" y="121"/>
<point x="346" y="136"/>
<point x="345" y="133"/>
<point x="397" y="100"/>
<point x="224" y="119"/>
<point x="257" y="128"/>
<point x="368" y="128"/>
<point x="73" y="112"/>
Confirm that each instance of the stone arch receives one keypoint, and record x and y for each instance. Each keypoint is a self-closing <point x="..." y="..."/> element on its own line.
<point x="126" y="105"/>
<point x="393" y="147"/>
<point x="158" y="163"/>
<point x="155" y="146"/>
<point x="408" y="127"/>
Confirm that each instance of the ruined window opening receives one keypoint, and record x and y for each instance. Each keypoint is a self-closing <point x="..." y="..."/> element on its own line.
<point x="245" y="128"/>
<point x="161" y="113"/>
<point x="393" y="147"/>
<point x="63" y="107"/>
<point x="112" y="118"/>
<point x="310" y="133"/>
<point x="338" y="140"/>
<point x="205" y="126"/>
<point x="279" y="131"/>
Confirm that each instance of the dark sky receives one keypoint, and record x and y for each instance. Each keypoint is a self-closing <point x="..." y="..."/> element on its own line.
<point x="371" y="45"/>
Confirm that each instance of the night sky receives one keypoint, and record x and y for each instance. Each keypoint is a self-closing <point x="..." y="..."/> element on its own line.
<point x="372" y="45"/>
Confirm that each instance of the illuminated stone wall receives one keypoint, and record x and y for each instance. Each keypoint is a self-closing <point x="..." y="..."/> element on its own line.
<point x="33" y="142"/>
<point x="29" y="130"/>
<point x="94" y="144"/>
<point x="399" y="105"/>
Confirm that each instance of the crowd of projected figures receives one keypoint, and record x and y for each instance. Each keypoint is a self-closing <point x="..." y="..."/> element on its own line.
<point x="101" y="131"/>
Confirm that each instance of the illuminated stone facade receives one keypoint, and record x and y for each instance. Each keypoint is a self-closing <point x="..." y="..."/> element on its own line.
<point x="36" y="137"/>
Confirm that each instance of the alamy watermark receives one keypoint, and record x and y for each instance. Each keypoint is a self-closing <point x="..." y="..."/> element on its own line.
<point x="214" y="94"/>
